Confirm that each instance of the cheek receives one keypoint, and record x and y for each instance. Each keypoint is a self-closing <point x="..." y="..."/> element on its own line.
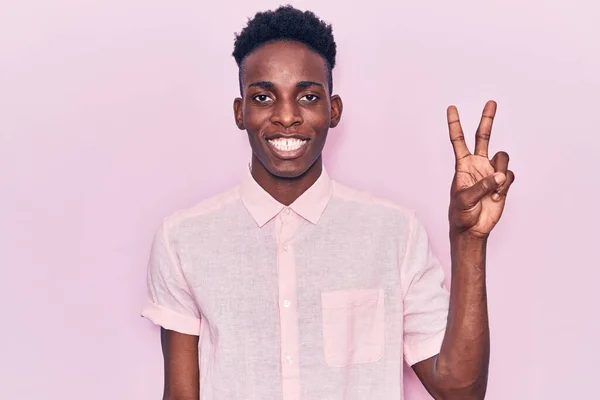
<point x="318" y="118"/>
<point x="254" y="118"/>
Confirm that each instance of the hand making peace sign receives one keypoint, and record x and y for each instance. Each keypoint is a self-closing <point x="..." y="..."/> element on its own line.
<point x="480" y="185"/>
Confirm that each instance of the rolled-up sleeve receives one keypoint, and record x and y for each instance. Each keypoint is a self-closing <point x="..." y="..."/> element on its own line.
<point x="170" y="302"/>
<point x="426" y="299"/>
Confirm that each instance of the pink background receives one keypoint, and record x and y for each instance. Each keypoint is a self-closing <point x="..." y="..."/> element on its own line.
<point x="115" y="113"/>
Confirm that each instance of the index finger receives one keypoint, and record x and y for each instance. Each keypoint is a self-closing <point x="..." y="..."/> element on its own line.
<point x="457" y="136"/>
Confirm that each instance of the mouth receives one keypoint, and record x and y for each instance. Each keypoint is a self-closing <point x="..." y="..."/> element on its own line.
<point x="287" y="148"/>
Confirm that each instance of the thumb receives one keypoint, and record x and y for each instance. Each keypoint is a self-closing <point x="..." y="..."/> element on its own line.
<point x="469" y="197"/>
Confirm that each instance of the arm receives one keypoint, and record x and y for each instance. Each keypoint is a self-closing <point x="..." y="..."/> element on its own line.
<point x="478" y="195"/>
<point x="460" y="370"/>
<point x="180" y="353"/>
<point x="171" y="305"/>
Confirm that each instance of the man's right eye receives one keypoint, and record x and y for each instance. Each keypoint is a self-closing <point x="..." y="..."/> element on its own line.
<point x="262" y="98"/>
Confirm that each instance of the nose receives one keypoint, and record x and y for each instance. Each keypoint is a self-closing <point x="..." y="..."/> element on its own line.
<point x="287" y="114"/>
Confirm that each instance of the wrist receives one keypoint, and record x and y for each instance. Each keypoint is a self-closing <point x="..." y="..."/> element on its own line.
<point x="467" y="239"/>
<point x="468" y="252"/>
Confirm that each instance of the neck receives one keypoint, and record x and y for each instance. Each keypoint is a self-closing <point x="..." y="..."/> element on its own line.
<point x="285" y="190"/>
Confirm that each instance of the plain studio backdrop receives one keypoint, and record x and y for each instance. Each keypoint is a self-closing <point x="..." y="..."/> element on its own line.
<point x="114" y="114"/>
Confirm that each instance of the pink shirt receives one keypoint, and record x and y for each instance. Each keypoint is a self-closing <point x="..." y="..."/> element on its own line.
<point x="321" y="300"/>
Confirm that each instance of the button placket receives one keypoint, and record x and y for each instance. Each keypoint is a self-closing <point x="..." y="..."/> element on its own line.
<point x="288" y="313"/>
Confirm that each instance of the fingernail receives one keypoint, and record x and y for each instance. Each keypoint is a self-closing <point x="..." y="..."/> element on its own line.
<point x="499" y="177"/>
<point x="495" y="197"/>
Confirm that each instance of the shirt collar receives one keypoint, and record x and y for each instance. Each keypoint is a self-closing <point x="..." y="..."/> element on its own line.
<point x="263" y="207"/>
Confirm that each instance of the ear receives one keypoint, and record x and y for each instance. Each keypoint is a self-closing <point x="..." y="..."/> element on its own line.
<point x="336" y="110"/>
<point x="238" y="114"/>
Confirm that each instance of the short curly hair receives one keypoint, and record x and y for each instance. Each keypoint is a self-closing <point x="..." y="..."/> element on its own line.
<point x="291" y="24"/>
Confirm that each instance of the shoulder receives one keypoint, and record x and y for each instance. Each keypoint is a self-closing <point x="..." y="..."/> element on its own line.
<point x="370" y="202"/>
<point x="203" y="210"/>
<point x="375" y="213"/>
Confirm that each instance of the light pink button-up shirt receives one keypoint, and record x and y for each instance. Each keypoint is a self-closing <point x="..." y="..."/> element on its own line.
<point x="321" y="300"/>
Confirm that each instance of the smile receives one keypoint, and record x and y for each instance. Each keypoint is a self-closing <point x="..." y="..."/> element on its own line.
<point x="287" y="147"/>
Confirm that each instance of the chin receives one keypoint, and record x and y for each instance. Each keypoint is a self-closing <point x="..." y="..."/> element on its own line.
<point x="289" y="169"/>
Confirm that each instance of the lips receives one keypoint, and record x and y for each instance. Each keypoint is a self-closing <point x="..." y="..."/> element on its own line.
<point x="287" y="147"/>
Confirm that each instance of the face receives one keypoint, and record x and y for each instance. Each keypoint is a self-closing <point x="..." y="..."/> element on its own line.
<point x="286" y="108"/>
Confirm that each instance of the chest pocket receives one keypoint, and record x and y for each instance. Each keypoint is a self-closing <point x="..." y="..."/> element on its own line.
<point x="353" y="326"/>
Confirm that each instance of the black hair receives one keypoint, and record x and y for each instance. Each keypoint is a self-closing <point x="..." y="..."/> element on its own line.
<point x="291" y="24"/>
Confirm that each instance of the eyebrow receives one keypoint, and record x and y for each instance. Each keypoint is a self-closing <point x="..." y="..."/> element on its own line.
<point x="261" y="84"/>
<point x="268" y="84"/>
<point x="305" y="84"/>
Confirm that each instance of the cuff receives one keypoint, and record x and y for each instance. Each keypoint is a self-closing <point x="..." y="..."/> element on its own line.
<point x="424" y="350"/>
<point x="171" y="320"/>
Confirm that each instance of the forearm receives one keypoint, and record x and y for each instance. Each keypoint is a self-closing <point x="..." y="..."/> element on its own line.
<point x="462" y="365"/>
<point x="181" y="368"/>
<point x="180" y="397"/>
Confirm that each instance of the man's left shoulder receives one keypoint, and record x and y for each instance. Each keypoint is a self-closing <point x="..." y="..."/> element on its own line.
<point x="365" y="201"/>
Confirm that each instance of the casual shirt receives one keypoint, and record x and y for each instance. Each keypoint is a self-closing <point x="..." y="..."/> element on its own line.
<point x="321" y="300"/>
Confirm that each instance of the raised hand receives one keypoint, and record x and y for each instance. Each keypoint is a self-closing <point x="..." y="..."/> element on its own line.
<point x="480" y="185"/>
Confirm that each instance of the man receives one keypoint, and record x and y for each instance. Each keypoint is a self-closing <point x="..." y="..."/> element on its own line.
<point x="293" y="286"/>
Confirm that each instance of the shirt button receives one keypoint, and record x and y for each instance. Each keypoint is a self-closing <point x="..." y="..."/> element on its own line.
<point x="289" y="359"/>
<point x="288" y="211"/>
<point x="287" y="304"/>
<point x="286" y="247"/>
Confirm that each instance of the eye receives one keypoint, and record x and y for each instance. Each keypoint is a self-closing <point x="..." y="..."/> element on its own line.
<point x="309" y="98"/>
<point x="262" y="99"/>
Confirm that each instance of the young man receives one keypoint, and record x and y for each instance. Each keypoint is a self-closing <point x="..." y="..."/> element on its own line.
<point x="292" y="286"/>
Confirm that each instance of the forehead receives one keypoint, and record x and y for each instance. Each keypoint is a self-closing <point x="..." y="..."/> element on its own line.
<point x="284" y="61"/>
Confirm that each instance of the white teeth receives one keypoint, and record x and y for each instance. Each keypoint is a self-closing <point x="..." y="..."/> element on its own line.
<point x="287" y="144"/>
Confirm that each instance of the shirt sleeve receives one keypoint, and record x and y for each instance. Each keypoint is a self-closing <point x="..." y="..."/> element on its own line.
<point x="170" y="303"/>
<point x="426" y="300"/>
